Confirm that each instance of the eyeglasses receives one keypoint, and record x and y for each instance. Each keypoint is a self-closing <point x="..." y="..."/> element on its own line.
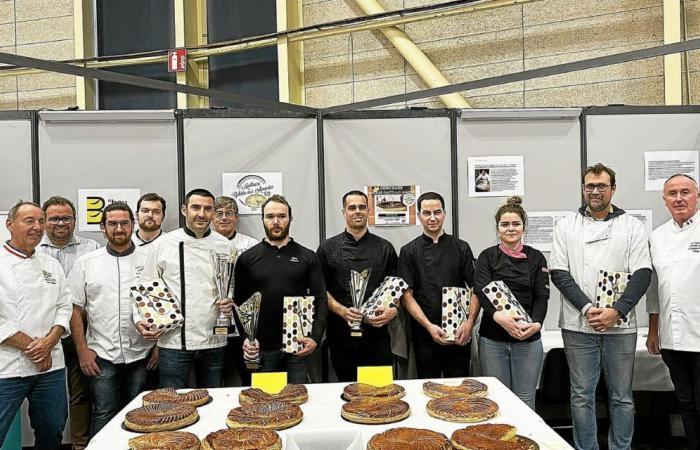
<point x="592" y="187"/>
<point x="114" y="225"/>
<point x="227" y="214"/>
<point x="56" y="220"/>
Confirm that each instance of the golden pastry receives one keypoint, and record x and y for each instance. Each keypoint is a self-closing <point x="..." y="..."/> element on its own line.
<point x="462" y="409"/>
<point x="161" y="417"/>
<point x="295" y="394"/>
<point x="491" y="437"/>
<point x="166" y="440"/>
<point x="403" y="438"/>
<point x="274" y="415"/>
<point x="244" y="438"/>
<point x="356" y="390"/>
<point x="196" y="397"/>
<point x="369" y="410"/>
<point x="468" y="388"/>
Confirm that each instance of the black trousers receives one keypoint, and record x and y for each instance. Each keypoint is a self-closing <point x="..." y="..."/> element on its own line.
<point x="685" y="374"/>
<point x="440" y="361"/>
<point x="348" y="353"/>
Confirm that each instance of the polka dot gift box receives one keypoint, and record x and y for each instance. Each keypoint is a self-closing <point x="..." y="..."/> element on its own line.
<point x="611" y="285"/>
<point x="386" y="294"/>
<point x="157" y="305"/>
<point x="455" y="309"/>
<point x="503" y="300"/>
<point x="297" y="321"/>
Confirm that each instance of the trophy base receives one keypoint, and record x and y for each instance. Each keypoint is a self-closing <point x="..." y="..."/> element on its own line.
<point x="225" y="330"/>
<point x="356" y="333"/>
<point x="252" y="365"/>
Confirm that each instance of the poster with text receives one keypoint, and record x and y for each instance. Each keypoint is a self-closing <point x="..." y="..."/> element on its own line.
<point x="539" y="231"/>
<point x="251" y="190"/>
<point x="659" y="166"/>
<point x="91" y="203"/>
<point x="392" y="205"/>
<point x="496" y="176"/>
<point x="643" y="215"/>
<point x="4" y="232"/>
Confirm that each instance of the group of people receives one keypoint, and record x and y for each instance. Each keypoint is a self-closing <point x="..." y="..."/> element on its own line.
<point x="57" y="286"/>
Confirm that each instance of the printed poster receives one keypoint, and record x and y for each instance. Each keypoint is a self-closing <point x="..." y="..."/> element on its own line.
<point x="539" y="232"/>
<point x="643" y="215"/>
<point x="91" y="203"/>
<point x="496" y="176"/>
<point x="392" y="205"/>
<point x="659" y="166"/>
<point x="251" y="190"/>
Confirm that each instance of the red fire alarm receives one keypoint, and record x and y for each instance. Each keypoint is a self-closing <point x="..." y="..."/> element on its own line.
<point x="177" y="60"/>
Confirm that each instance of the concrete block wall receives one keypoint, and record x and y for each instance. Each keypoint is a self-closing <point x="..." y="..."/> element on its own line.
<point x="39" y="29"/>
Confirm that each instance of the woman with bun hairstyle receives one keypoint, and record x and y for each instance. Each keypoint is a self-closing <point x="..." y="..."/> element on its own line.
<point x="511" y="350"/>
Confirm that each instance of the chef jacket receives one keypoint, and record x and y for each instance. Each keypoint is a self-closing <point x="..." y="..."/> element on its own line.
<point x="136" y="239"/>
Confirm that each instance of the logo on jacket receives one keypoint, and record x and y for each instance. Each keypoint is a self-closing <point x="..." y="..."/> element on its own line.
<point x="48" y="277"/>
<point x="293" y="259"/>
<point x="694" y="247"/>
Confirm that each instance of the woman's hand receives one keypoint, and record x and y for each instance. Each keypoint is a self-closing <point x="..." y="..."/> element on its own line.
<point x="509" y="324"/>
<point x="528" y="329"/>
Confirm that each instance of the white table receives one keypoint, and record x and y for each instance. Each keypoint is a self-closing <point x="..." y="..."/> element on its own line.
<point x="323" y="427"/>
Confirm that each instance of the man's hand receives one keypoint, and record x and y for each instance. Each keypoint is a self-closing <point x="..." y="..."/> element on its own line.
<point x="309" y="346"/>
<point x="144" y="329"/>
<point x="509" y="324"/>
<point x="352" y="316"/>
<point x="464" y="333"/>
<point x="225" y="306"/>
<point x="88" y="365"/>
<point x="653" y="343"/>
<point x="250" y="349"/>
<point x="437" y="334"/>
<point x="528" y="329"/>
<point x="45" y="364"/>
<point x="40" y="348"/>
<point x="153" y="359"/>
<point x="382" y="316"/>
<point x="602" y="318"/>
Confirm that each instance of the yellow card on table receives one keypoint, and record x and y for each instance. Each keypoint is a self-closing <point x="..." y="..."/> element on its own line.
<point x="270" y="382"/>
<point x="375" y="375"/>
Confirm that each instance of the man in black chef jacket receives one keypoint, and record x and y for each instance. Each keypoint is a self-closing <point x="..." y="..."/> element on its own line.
<point x="356" y="249"/>
<point x="430" y="262"/>
<point x="278" y="267"/>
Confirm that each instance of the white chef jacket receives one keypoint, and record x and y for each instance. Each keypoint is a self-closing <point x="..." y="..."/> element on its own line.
<point x="140" y="242"/>
<point x="675" y="253"/>
<point x="583" y="246"/>
<point x="179" y="253"/>
<point x="34" y="296"/>
<point x="243" y="242"/>
<point x="67" y="255"/>
<point x="101" y="282"/>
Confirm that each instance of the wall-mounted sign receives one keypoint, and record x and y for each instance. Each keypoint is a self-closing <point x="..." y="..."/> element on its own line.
<point x="177" y="60"/>
<point x="496" y="176"/>
<point x="92" y="202"/>
<point x="251" y="190"/>
<point x="392" y="205"/>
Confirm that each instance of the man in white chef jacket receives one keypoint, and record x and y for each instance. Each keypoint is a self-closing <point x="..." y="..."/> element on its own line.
<point x="675" y="315"/>
<point x="35" y="309"/>
<point x="182" y="260"/>
<point x="111" y="351"/>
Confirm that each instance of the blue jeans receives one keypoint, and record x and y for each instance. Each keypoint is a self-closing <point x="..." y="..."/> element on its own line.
<point x="48" y="406"/>
<point x="277" y="361"/>
<point x="515" y="364"/>
<point x="174" y="366"/>
<point x="586" y="354"/>
<point x="113" y="388"/>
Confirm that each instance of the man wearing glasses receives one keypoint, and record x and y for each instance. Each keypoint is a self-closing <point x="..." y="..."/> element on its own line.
<point x="429" y="263"/>
<point x="112" y="353"/>
<point x="62" y="243"/>
<point x="182" y="259"/>
<point x="600" y="237"/>
<point x="356" y="249"/>
<point x="150" y="212"/>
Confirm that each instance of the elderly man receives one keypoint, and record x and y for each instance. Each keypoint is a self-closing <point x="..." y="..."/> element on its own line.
<point x="35" y="310"/>
<point x="62" y="243"/>
<point x="182" y="260"/>
<point x="600" y="237"/>
<point x="674" y="317"/>
<point x="150" y="212"/>
<point x="113" y="354"/>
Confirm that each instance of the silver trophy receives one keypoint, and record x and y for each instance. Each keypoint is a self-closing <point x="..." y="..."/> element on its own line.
<point x="248" y="314"/>
<point x="223" y="272"/>
<point x="358" y="286"/>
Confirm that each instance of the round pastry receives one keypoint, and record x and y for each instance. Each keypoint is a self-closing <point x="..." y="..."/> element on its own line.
<point x="196" y="397"/>
<point x="491" y="437"/>
<point x="403" y="438"/>
<point x="462" y="409"/>
<point x="161" y="417"/>
<point x="357" y="390"/>
<point x="244" y="438"/>
<point x="274" y="415"/>
<point x="170" y="440"/>
<point x="468" y="388"/>
<point x="369" y="410"/>
<point x="292" y="393"/>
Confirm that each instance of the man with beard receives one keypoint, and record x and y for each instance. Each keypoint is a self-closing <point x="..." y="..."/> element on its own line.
<point x="150" y="212"/>
<point x="429" y="263"/>
<point x="112" y="354"/>
<point x="62" y="243"/>
<point x="182" y="260"/>
<point x="356" y="249"/>
<point x="278" y="267"/>
<point x="600" y="237"/>
<point x="35" y="310"/>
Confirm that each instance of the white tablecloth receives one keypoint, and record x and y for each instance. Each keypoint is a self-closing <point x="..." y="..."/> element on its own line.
<point x="650" y="372"/>
<point x="323" y="427"/>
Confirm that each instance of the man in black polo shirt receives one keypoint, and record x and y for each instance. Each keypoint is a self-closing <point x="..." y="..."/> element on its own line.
<point x="430" y="262"/>
<point x="278" y="267"/>
<point x="356" y="249"/>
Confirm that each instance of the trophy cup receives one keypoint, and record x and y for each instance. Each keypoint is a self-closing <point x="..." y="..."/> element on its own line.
<point x="223" y="272"/>
<point x="248" y="314"/>
<point x="358" y="286"/>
